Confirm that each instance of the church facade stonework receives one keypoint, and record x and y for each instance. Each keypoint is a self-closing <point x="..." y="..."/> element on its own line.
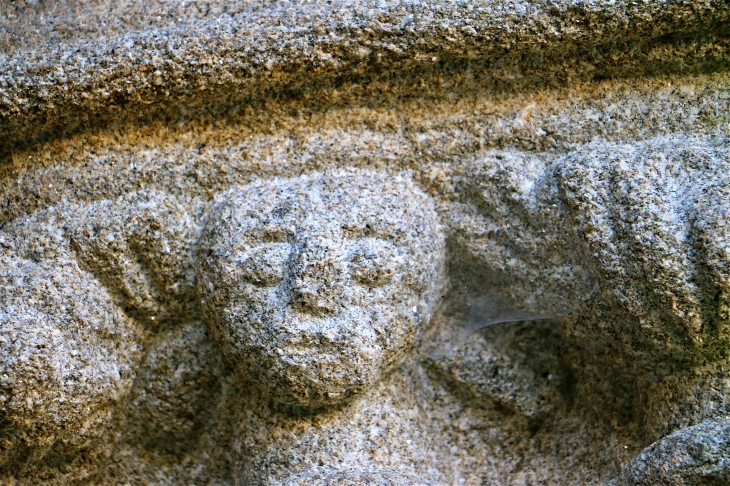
<point x="332" y="243"/>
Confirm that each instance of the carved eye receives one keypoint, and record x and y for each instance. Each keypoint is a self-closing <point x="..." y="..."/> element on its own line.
<point x="373" y="262"/>
<point x="265" y="265"/>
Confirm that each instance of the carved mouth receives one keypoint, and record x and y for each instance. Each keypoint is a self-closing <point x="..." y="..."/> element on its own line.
<point x="299" y="330"/>
<point x="309" y="375"/>
<point x="322" y="361"/>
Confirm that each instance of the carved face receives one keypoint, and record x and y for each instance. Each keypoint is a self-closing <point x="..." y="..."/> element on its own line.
<point x="316" y="287"/>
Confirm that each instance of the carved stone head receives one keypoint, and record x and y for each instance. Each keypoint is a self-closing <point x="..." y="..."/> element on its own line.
<point x="318" y="286"/>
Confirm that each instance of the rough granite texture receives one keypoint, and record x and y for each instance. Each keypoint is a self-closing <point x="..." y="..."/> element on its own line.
<point x="318" y="288"/>
<point x="333" y="243"/>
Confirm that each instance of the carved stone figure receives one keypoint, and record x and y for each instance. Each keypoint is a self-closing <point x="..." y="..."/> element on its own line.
<point x="318" y="287"/>
<point x="363" y="242"/>
<point x="67" y="355"/>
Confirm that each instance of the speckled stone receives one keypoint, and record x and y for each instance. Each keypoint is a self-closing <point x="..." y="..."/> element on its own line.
<point x="316" y="288"/>
<point x="294" y="242"/>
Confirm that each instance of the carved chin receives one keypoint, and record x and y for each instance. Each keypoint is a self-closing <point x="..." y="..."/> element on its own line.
<point x="327" y="364"/>
<point x="322" y="381"/>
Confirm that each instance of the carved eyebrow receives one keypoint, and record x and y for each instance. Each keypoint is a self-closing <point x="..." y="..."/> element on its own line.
<point x="370" y="229"/>
<point x="267" y="232"/>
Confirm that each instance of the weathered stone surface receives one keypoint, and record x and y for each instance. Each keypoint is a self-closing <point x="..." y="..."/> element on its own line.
<point x="364" y="243"/>
<point x="386" y="478"/>
<point x="68" y="355"/>
<point x="316" y="288"/>
<point x="695" y="455"/>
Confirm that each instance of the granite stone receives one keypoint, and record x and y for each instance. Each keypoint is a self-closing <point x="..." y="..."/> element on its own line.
<point x="364" y="242"/>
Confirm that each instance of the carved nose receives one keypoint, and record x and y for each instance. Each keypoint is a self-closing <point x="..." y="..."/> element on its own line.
<point x="319" y="272"/>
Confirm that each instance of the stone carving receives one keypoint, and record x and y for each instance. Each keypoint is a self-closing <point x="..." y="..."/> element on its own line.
<point x="170" y="415"/>
<point x="663" y="221"/>
<point x="139" y="247"/>
<point x="316" y="288"/>
<point x="67" y="354"/>
<point x="355" y="243"/>
<point x="695" y="455"/>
